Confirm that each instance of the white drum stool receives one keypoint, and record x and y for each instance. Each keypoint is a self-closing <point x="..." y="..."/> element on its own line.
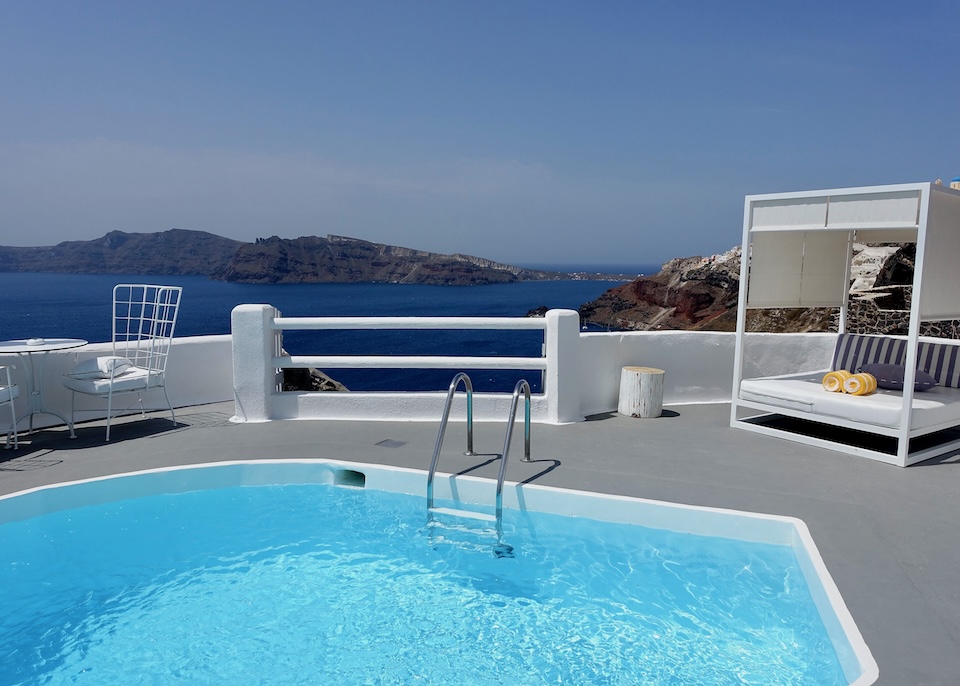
<point x="641" y="392"/>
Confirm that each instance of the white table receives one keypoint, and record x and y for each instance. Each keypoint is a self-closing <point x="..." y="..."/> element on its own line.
<point x="26" y="349"/>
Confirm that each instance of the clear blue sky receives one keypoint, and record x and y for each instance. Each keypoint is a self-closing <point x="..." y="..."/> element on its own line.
<point x="525" y="131"/>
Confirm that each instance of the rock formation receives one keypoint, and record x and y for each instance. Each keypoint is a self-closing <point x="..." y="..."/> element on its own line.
<point x="698" y="293"/>
<point x="884" y="306"/>
<point x="176" y="251"/>
<point x="334" y="259"/>
<point x="297" y="379"/>
<point x="337" y="259"/>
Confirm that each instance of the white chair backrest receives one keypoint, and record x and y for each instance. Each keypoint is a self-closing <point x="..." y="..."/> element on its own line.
<point x="144" y="318"/>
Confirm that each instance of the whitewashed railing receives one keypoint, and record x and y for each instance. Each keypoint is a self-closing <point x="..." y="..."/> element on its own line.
<point x="455" y="362"/>
<point x="257" y="335"/>
<point x="583" y="369"/>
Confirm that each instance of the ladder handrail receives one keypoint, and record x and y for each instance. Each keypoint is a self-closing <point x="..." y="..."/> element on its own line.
<point x="468" y="387"/>
<point x="521" y="385"/>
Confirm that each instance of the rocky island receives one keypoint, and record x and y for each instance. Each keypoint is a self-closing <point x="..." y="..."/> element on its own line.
<point x="309" y="259"/>
<point x="339" y="259"/>
<point x="176" y="251"/>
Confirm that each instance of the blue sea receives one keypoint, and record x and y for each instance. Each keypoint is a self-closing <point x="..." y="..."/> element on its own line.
<point x="78" y="306"/>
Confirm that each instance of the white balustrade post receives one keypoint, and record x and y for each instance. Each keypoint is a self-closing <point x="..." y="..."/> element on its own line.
<point x="562" y="378"/>
<point x="254" y="376"/>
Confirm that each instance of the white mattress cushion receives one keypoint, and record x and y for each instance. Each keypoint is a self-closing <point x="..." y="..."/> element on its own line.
<point x="805" y="393"/>
<point x="133" y="379"/>
<point x="8" y="393"/>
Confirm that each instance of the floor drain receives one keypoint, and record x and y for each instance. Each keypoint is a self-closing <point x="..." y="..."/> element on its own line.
<point x="391" y="443"/>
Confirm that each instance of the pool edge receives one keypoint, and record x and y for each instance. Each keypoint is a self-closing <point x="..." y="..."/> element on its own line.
<point x="854" y="655"/>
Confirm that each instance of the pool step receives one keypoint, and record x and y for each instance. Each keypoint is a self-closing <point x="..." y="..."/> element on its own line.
<point x="468" y="514"/>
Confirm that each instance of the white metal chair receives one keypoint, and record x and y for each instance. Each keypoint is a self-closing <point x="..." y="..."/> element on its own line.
<point x="144" y="318"/>
<point x="9" y="391"/>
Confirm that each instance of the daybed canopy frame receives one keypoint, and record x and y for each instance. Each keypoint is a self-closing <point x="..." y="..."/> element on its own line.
<point x="797" y="251"/>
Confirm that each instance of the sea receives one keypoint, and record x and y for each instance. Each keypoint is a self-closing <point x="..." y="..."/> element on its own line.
<point x="45" y="305"/>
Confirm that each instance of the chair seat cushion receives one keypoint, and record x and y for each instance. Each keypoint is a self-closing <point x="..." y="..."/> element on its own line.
<point x="100" y="367"/>
<point x="132" y="379"/>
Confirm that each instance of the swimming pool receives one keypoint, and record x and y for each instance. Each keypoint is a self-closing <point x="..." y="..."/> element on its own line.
<point x="194" y="576"/>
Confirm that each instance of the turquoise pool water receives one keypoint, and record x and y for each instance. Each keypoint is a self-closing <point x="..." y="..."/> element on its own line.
<point x="322" y="584"/>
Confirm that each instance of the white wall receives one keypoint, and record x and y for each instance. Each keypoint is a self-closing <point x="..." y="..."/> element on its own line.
<point x="199" y="371"/>
<point x="698" y="365"/>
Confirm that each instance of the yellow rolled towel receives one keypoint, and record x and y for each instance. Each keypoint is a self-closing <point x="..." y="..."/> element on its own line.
<point x="860" y="384"/>
<point x="833" y="381"/>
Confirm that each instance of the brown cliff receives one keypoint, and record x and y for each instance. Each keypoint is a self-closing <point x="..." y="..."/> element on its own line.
<point x="696" y="293"/>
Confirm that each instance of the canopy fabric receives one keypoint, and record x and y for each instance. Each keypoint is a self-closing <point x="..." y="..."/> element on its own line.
<point x="799" y="244"/>
<point x="798" y="269"/>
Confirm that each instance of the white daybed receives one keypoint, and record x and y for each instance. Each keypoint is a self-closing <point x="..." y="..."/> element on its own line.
<point x="797" y="253"/>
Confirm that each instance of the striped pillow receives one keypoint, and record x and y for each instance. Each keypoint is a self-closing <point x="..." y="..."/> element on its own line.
<point x="855" y="350"/>
<point x="939" y="360"/>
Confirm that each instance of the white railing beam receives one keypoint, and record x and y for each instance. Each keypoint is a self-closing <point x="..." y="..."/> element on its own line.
<point x="409" y="362"/>
<point x="393" y="323"/>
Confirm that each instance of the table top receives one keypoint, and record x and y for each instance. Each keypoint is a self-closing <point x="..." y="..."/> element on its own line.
<point x="39" y="345"/>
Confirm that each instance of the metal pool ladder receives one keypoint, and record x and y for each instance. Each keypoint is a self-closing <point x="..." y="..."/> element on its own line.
<point x="523" y="386"/>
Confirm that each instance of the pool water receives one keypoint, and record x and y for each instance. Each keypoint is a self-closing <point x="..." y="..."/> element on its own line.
<point x="321" y="584"/>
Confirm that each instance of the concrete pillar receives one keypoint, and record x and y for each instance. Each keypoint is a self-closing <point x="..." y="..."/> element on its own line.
<point x="562" y="379"/>
<point x="254" y="376"/>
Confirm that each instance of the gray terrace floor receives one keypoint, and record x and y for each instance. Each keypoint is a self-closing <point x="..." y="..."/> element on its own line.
<point x="890" y="537"/>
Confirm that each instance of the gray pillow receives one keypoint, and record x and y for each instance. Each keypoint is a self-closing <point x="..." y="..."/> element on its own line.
<point x="890" y="376"/>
